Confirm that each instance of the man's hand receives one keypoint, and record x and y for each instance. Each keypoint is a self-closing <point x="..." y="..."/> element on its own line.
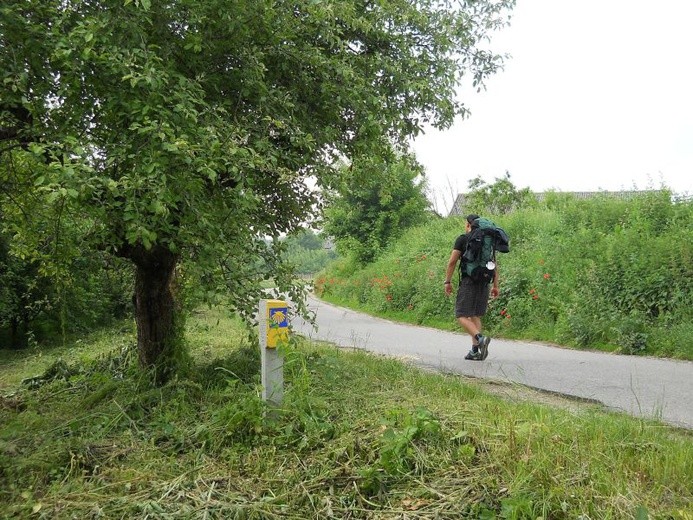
<point x="448" y="288"/>
<point x="494" y="292"/>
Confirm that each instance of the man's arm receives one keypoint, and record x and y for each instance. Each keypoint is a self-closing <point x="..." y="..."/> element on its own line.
<point x="450" y="269"/>
<point x="496" y="281"/>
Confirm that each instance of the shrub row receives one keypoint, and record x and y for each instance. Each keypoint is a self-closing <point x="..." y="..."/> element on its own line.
<point x="598" y="273"/>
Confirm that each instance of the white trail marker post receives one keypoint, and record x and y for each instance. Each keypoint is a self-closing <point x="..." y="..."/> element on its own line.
<point x="274" y="330"/>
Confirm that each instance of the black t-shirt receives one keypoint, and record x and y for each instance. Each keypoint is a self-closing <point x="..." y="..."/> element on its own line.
<point x="461" y="245"/>
<point x="461" y="242"/>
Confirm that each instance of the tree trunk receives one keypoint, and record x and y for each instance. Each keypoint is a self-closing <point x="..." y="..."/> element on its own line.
<point x="155" y="309"/>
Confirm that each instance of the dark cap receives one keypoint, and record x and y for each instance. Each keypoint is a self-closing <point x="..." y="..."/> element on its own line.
<point x="471" y="218"/>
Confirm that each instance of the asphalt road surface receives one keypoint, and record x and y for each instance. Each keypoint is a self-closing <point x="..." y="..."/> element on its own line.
<point x="646" y="387"/>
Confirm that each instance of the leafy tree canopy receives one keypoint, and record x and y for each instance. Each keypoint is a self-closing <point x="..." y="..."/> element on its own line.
<point x="49" y="285"/>
<point x="180" y="133"/>
<point x="307" y="252"/>
<point x="306" y="239"/>
<point x="375" y="203"/>
<point x="497" y="198"/>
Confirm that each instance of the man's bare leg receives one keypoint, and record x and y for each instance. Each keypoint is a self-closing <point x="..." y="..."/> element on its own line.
<point x="480" y="343"/>
<point x="472" y="325"/>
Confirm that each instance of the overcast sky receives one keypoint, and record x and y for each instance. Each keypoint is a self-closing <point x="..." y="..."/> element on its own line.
<point x="597" y="95"/>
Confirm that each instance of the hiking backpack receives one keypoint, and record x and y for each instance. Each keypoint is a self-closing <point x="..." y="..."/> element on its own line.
<point x="479" y="257"/>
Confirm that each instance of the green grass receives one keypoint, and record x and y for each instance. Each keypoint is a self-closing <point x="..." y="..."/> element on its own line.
<point x="16" y="365"/>
<point x="358" y="436"/>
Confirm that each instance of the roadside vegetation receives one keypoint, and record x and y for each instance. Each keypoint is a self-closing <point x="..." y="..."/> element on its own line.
<point x="358" y="436"/>
<point x="601" y="273"/>
<point x="308" y="253"/>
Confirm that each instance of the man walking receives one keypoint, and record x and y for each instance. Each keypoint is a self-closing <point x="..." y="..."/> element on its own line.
<point x="472" y="296"/>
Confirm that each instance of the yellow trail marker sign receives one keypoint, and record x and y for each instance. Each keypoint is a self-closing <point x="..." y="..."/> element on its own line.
<point x="277" y="323"/>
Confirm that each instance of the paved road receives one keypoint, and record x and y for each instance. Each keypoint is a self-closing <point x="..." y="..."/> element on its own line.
<point x="644" y="387"/>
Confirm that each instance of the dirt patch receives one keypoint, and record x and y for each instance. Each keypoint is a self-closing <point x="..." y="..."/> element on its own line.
<point x="515" y="392"/>
<point x="519" y="393"/>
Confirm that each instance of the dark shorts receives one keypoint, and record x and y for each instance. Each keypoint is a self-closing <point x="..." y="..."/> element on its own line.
<point x="472" y="298"/>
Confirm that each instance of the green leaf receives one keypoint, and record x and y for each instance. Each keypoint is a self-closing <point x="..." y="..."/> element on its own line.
<point x="641" y="513"/>
<point x="157" y="207"/>
<point x="37" y="149"/>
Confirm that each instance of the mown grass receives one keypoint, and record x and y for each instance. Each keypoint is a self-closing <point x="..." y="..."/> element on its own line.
<point x="358" y="436"/>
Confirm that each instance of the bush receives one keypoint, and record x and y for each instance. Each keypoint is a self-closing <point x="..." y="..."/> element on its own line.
<point x="601" y="273"/>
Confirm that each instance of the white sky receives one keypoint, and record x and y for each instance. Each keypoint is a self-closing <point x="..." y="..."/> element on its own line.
<point x="597" y="95"/>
